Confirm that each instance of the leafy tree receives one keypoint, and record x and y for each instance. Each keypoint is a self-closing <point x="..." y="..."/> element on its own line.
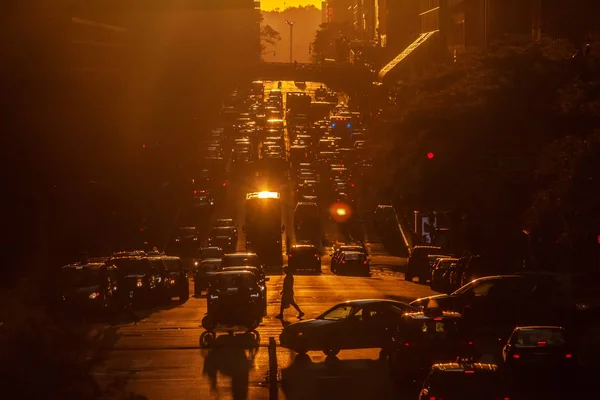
<point x="268" y="35"/>
<point x="485" y="119"/>
<point x="332" y="40"/>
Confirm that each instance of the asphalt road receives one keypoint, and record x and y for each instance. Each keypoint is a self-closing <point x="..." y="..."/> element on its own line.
<point x="160" y="356"/>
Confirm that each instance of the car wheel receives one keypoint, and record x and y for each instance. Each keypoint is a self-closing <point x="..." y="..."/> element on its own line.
<point x="207" y="339"/>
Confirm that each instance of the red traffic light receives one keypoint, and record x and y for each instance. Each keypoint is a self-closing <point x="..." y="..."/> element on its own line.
<point x="430" y="155"/>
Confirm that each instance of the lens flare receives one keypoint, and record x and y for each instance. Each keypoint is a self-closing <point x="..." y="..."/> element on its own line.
<point x="340" y="212"/>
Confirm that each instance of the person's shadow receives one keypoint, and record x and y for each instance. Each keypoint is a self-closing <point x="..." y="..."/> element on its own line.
<point x="232" y="356"/>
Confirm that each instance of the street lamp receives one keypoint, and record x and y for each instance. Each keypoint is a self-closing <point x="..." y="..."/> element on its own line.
<point x="291" y="24"/>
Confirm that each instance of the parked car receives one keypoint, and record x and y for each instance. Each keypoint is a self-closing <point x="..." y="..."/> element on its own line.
<point x="91" y="287"/>
<point x="418" y="262"/>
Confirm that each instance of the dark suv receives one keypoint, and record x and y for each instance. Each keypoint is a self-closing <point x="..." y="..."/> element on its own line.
<point x="91" y="287"/>
<point x="139" y="279"/>
<point x="424" y="338"/>
<point x="175" y="280"/>
<point x="304" y="257"/>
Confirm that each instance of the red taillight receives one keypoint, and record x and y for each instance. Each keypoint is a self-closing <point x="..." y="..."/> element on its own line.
<point x="289" y="255"/>
<point x="224" y="183"/>
<point x="406" y="344"/>
<point x="364" y="262"/>
<point x="141" y="229"/>
<point x="437" y="319"/>
<point x="195" y="192"/>
<point x="343" y="261"/>
<point x="516" y="356"/>
<point x="470" y="342"/>
<point x="353" y="185"/>
<point x="541" y="343"/>
<point x="568" y="355"/>
<point x="469" y="372"/>
<point x="316" y="256"/>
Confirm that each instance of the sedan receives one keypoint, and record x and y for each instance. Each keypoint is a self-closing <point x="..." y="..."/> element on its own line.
<point x="355" y="324"/>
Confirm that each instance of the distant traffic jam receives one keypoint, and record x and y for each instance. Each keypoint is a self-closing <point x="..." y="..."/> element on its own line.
<point x="490" y="333"/>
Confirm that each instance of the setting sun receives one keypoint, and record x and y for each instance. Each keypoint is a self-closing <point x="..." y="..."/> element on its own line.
<point x="268" y="5"/>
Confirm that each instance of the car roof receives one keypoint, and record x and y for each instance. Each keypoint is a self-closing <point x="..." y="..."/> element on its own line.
<point x="211" y="248"/>
<point x="241" y="268"/>
<point x="210" y="260"/>
<point x="422" y="315"/>
<point x="224" y="219"/>
<point x="460" y="367"/>
<point x="427" y="247"/>
<point x="354" y="252"/>
<point x="84" y="266"/>
<point x="363" y="302"/>
<point x="303" y="246"/>
<point x="244" y="254"/>
<point x="539" y="327"/>
<point x="234" y="272"/>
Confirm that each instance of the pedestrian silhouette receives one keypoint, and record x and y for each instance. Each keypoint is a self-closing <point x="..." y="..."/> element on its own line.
<point x="287" y="294"/>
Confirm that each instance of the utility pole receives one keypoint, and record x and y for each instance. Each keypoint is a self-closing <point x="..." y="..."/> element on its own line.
<point x="291" y="24"/>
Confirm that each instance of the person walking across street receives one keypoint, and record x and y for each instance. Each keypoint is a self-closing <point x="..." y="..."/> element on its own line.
<point x="287" y="294"/>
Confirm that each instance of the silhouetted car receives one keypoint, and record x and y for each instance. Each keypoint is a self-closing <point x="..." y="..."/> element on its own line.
<point x="233" y="299"/>
<point x="418" y="262"/>
<point x="542" y="351"/>
<point x="425" y="337"/>
<point x="350" y="325"/>
<point x="139" y="279"/>
<point x="353" y="262"/>
<point x="335" y="256"/>
<point x="261" y="279"/>
<point x="91" y="287"/>
<point x="304" y="257"/>
<point x="464" y="380"/>
<point x="207" y="253"/>
<point x="498" y="303"/>
<point x="175" y="280"/>
<point x="223" y="237"/>
<point x="204" y="274"/>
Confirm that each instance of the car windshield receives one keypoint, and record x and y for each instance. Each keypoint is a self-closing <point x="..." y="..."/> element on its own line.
<point x="128" y="266"/>
<point x="540" y="337"/>
<point x="84" y="277"/>
<point x="232" y="281"/>
<point x="211" y="253"/>
<point x="209" y="266"/>
<point x="240" y="261"/>
<point x="353" y="256"/>
<point x="339" y="312"/>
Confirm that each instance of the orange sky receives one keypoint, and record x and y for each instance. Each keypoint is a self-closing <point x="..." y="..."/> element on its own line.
<point x="268" y="5"/>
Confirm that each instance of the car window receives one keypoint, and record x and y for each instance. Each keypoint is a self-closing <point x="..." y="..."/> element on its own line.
<point x="340" y="312"/>
<point x="537" y="337"/>
<point x="209" y="266"/>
